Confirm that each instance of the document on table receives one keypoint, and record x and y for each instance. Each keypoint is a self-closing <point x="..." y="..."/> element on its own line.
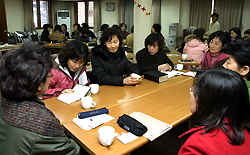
<point x="80" y="91"/>
<point x="92" y="122"/>
<point x="174" y="73"/>
<point x="155" y="127"/>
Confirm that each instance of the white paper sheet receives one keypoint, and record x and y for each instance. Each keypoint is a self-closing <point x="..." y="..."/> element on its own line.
<point x="80" y="91"/>
<point x="126" y="138"/>
<point x="155" y="127"/>
<point x="172" y="73"/>
<point x="86" y="123"/>
<point x="83" y="78"/>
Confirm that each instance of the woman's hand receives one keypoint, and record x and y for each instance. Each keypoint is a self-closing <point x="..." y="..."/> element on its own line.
<point x="131" y="80"/>
<point x="67" y="91"/>
<point x="165" y="67"/>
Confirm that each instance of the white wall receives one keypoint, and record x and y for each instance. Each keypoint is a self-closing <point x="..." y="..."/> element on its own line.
<point x="109" y="17"/>
<point x="245" y="16"/>
<point x="184" y="16"/>
<point x="14" y="15"/>
<point x="170" y="13"/>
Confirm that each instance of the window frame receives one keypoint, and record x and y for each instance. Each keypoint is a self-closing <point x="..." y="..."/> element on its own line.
<point x="39" y="13"/>
<point x="86" y="11"/>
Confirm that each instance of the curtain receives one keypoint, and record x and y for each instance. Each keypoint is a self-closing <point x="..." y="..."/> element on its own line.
<point x="129" y="14"/>
<point x="230" y="13"/>
<point x="97" y="16"/>
<point x="28" y="15"/>
<point x="120" y="12"/>
<point x="200" y="13"/>
<point x="156" y="11"/>
<point x="63" y="6"/>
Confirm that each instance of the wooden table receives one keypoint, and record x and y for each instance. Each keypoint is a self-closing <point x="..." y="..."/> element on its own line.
<point x="175" y="59"/>
<point x="110" y="96"/>
<point x="167" y="101"/>
<point x="170" y="105"/>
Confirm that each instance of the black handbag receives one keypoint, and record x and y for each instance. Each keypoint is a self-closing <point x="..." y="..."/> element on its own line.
<point x="131" y="125"/>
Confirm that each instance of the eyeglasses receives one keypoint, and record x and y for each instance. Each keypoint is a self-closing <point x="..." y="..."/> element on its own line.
<point x="50" y="75"/>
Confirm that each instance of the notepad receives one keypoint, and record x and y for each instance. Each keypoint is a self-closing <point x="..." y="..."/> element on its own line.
<point x="155" y="127"/>
<point x="80" y="91"/>
<point x="92" y="122"/>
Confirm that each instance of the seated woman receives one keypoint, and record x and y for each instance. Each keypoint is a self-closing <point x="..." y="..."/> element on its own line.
<point x="195" y="46"/>
<point x="220" y="122"/>
<point x="69" y="69"/>
<point x="27" y="126"/>
<point x="238" y="59"/>
<point x="214" y="58"/>
<point x="64" y="30"/>
<point x="235" y="33"/>
<point x="110" y="65"/>
<point x="57" y="34"/>
<point x="45" y="34"/>
<point x="76" y="33"/>
<point x="123" y="31"/>
<point x="88" y="31"/>
<point x="152" y="57"/>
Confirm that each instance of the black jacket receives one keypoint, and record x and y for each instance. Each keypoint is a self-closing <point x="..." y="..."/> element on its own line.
<point x="147" y="62"/>
<point x="45" y="36"/>
<point x="109" y="68"/>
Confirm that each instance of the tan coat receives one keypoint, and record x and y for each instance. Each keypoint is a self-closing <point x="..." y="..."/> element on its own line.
<point x="57" y="35"/>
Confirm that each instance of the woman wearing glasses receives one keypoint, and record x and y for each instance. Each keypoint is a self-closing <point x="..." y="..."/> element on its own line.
<point x="26" y="125"/>
<point x="220" y="122"/>
<point x="69" y="69"/>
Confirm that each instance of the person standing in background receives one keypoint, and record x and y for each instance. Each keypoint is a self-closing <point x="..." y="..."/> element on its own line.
<point x="215" y="25"/>
<point x="130" y="38"/>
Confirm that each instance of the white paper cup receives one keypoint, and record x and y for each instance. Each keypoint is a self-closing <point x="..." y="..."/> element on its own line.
<point x="179" y="67"/>
<point x="184" y="56"/>
<point x="94" y="88"/>
<point x="135" y="75"/>
<point x="106" y="135"/>
<point x="87" y="102"/>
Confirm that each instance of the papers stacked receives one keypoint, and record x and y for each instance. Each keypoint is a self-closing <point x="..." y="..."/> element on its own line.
<point x="92" y="122"/>
<point x="155" y="127"/>
<point x="80" y="91"/>
<point x="174" y="73"/>
<point x="173" y="55"/>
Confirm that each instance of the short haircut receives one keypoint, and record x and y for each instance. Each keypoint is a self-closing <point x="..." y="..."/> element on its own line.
<point x="86" y="25"/>
<point x="132" y="29"/>
<point x="78" y="26"/>
<point x="157" y="28"/>
<point x="152" y="38"/>
<point x="46" y="26"/>
<point x="75" y="50"/>
<point x="224" y="37"/>
<point x="237" y="31"/>
<point x="215" y="15"/>
<point x="247" y="31"/>
<point x="64" y="26"/>
<point x="240" y="50"/>
<point x="58" y="27"/>
<point x="199" y="33"/>
<point x="116" y="27"/>
<point x="23" y="70"/>
<point x="104" y="26"/>
<point x="108" y="34"/>
<point x="220" y="94"/>
<point x="190" y="30"/>
<point x="122" y="25"/>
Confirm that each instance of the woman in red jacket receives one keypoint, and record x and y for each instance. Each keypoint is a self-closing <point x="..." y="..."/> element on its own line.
<point x="69" y="69"/>
<point x="220" y="122"/>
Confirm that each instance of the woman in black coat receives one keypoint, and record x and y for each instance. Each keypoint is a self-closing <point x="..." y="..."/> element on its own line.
<point x="45" y="33"/>
<point x="110" y="65"/>
<point x="152" y="57"/>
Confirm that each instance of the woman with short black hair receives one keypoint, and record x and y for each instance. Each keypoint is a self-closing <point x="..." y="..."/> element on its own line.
<point x="69" y="69"/>
<point x="27" y="126"/>
<point x="235" y="33"/>
<point x="220" y="121"/>
<point x="64" y="30"/>
<point x="123" y="31"/>
<point x="45" y="33"/>
<point x="110" y="65"/>
<point x="214" y="57"/>
<point x="152" y="57"/>
<point x="238" y="59"/>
